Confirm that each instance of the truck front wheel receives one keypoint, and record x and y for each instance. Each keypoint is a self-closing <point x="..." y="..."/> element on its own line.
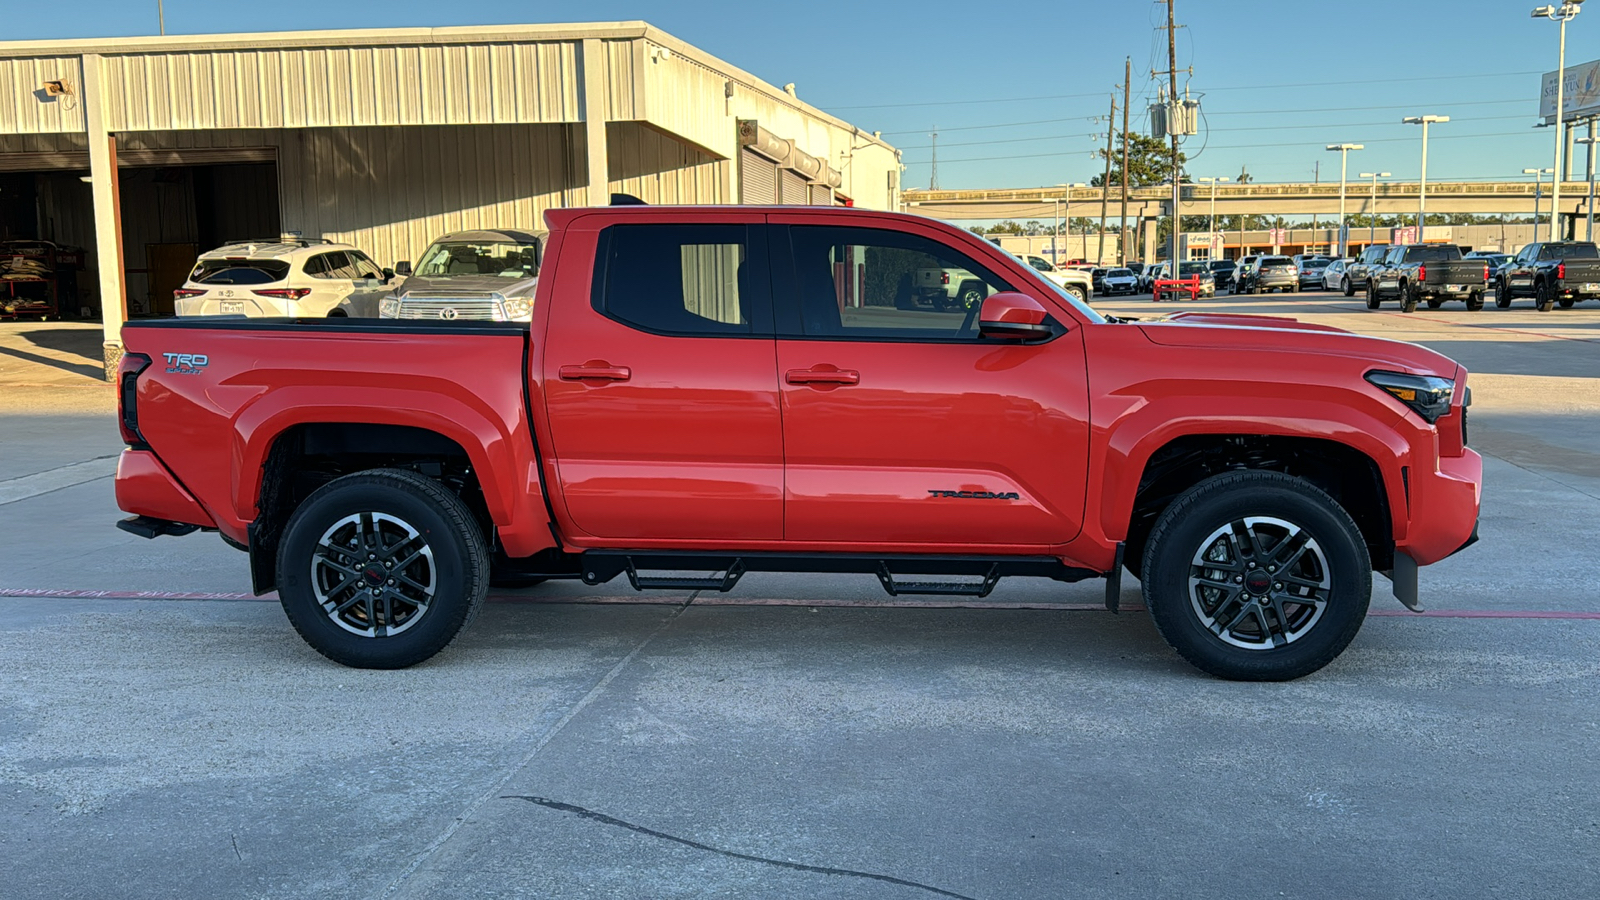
<point x="1257" y="576"/>
<point x="382" y="569"/>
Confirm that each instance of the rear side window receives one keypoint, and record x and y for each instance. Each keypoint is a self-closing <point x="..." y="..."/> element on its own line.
<point x="1277" y="261"/>
<point x="872" y="284"/>
<point x="701" y="280"/>
<point x="1568" y="251"/>
<point x="1442" y="253"/>
<point x="220" y="271"/>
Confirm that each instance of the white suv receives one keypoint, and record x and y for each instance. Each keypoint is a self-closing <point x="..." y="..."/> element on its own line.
<point x="290" y="278"/>
<point x="1074" y="281"/>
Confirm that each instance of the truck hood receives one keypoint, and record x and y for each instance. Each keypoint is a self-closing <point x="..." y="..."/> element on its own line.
<point x="470" y="284"/>
<point x="1253" y="332"/>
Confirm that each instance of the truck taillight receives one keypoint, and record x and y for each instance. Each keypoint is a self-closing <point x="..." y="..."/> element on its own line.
<point x="128" y="370"/>
<point x="1486" y="273"/>
<point x="1422" y="273"/>
<point x="1561" y="271"/>
<point x="283" y="293"/>
<point x="944" y="277"/>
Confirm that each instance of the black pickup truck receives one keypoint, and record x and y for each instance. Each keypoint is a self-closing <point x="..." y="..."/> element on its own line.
<point x="1431" y="273"/>
<point x="1550" y="272"/>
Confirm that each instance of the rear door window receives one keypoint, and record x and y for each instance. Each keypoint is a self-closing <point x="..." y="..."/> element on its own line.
<point x="220" y="271"/>
<point x="699" y="280"/>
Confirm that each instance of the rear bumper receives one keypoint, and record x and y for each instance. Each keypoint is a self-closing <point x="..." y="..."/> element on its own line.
<point x="145" y="488"/>
<point x="1443" y="508"/>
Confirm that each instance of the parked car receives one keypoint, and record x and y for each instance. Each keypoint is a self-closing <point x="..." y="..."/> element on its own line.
<point x="486" y="275"/>
<point x="1551" y="272"/>
<point x="1431" y="273"/>
<point x="285" y="277"/>
<point x="1266" y="274"/>
<point x="1148" y="277"/>
<point x="1120" y="281"/>
<point x="1222" y="273"/>
<point x="1333" y="276"/>
<point x="1311" y="270"/>
<point x="379" y="477"/>
<point x="1076" y="282"/>
<point x="1357" y="273"/>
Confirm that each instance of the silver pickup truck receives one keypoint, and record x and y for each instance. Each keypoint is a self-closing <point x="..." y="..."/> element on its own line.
<point x="470" y="276"/>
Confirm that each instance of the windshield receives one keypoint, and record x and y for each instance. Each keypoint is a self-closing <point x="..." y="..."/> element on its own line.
<point x="506" y="259"/>
<point x="1276" y="261"/>
<point x="1221" y="264"/>
<point x="1193" y="268"/>
<point x="1041" y="264"/>
<point x="1119" y="273"/>
<point x="1314" y="264"/>
<point x="1568" y="251"/>
<point x="1439" y="253"/>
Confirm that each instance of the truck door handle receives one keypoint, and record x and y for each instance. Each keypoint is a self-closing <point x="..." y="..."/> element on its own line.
<point x="595" y="372"/>
<point x="822" y="376"/>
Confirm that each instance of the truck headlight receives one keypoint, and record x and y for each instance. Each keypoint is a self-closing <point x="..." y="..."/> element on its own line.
<point x="518" y="307"/>
<point x="389" y="308"/>
<point x="1428" y="395"/>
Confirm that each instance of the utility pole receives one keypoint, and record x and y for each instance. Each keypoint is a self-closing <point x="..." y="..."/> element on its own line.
<point x="1105" y="182"/>
<point x="933" y="179"/>
<point x="1177" y="187"/>
<point x="161" y="15"/>
<point x="1122" y="233"/>
<point x="1316" y="179"/>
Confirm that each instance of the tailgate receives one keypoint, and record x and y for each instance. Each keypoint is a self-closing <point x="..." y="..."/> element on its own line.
<point x="1455" y="271"/>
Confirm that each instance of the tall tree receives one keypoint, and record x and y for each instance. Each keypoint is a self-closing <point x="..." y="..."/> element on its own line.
<point x="1149" y="162"/>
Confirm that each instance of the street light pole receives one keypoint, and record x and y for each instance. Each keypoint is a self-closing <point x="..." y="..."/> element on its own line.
<point x="1066" y="202"/>
<point x="1372" y="210"/>
<point x="1422" y="186"/>
<point x="1213" y="182"/>
<point x="1344" y="158"/>
<point x="1538" y="186"/>
<point x="1563" y="14"/>
<point x="1590" y="140"/>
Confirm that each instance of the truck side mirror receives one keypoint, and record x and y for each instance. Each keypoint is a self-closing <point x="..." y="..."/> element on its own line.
<point x="402" y="268"/>
<point x="388" y="275"/>
<point x="1012" y="315"/>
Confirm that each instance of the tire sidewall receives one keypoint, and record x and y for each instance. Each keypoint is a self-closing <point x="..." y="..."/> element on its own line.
<point x="1217" y="501"/>
<point x="456" y="576"/>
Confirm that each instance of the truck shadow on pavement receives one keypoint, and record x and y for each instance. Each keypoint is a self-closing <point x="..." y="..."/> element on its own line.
<point x="95" y="373"/>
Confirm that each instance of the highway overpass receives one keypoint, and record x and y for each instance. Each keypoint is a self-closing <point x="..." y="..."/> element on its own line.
<point x="1321" y="200"/>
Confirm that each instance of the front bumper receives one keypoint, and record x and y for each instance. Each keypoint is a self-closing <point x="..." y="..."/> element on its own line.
<point x="1443" y="507"/>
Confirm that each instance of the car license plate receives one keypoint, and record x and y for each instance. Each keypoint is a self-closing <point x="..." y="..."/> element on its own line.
<point x="230" y="307"/>
<point x="1591" y="286"/>
<point x="1456" y="288"/>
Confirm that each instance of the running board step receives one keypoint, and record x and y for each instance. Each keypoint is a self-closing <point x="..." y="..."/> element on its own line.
<point x="600" y="566"/>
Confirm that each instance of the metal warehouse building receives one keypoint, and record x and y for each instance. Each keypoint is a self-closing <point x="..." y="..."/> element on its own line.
<point x="384" y="139"/>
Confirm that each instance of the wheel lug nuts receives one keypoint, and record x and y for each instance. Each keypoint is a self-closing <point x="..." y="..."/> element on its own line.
<point x="389" y="565"/>
<point x="391" y="581"/>
<point x="1277" y="585"/>
<point x="372" y="556"/>
<point x="1238" y="579"/>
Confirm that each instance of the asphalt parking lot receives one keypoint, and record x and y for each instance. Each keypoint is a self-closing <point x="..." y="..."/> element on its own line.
<point x="162" y="733"/>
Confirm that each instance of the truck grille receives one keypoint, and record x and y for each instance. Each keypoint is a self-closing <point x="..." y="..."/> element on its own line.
<point x="451" y="310"/>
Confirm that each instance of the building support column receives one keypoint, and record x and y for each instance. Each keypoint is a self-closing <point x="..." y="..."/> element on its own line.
<point x="107" y="215"/>
<point x="593" y="101"/>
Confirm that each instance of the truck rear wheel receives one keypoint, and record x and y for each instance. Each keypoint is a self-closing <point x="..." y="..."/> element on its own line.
<point x="1544" y="299"/>
<point x="1475" y="301"/>
<point x="1566" y="302"/>
<point x="1257" y="576"/>
<point x="382" y="569"/>
<point x="1408" y="299"/>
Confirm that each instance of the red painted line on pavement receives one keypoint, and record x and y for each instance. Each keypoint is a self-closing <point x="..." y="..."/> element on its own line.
<point x="717" y="600"/>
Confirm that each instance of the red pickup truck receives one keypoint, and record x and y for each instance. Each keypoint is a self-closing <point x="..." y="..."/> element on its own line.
<point x="728" y="390"/>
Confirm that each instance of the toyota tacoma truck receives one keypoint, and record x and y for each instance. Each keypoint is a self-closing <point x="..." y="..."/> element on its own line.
<point x="1550" y="272"/>
<point x="715" y="391"/>
<point x="1430" y="273"/>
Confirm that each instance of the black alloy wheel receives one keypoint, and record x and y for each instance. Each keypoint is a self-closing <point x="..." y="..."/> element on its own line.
<point x="1408" y="298"/>
<point x="1502" y="294"/>
<point x="1372" y="294"/>
<point x="1475" y="301"/>
<point x="1544" y="297"/>
<point x="1257" y="576"/>
<point x="970" y="295"/>
<point x="382" y="569"/>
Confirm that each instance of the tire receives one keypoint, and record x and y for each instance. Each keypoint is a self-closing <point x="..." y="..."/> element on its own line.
<point x="1372" y="295"/>
<point x="1348" y="288"/>
<point x="1408" y="299"/>
<point x="1199" y="609"/>
<point x="437" y="586"/>
<point x="1544" y="297"/>
<point x="1077" y="291"/>
<point x="1435" y="302"/>
<point x="1475" y="301"/>
<point x="970" y="294"/>
<point x="1502" y="295"/>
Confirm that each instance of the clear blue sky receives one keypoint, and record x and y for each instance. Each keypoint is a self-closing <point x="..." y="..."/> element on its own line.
<point x="1019" y="89"/>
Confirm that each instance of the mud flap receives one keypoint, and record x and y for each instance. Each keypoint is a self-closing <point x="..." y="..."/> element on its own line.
<point x="1114" y="580"/>
<point x="1404" y="576"/>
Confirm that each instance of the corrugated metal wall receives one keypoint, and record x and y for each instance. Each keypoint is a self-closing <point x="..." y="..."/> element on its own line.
<point x="657" y="169"/>
<point x="391" y="191"/>
<point x="24" y="111"/>
<point x="451" y="84"/>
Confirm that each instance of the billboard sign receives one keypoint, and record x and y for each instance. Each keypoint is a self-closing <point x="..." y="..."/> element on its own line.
<point x="1581" y="96"/>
